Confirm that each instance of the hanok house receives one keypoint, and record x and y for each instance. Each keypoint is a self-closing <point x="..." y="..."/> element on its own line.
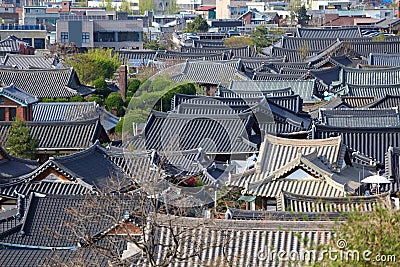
<point x="60" y="138"/>
<point x="224" y="136"/>
<point x="368" y="131"/>
<point x="46" y="83"/>
<point x="76" y="174"/>
<point x="210" y="74"/>
<point x="15" y="103"/>
<point x="12" y="167"/>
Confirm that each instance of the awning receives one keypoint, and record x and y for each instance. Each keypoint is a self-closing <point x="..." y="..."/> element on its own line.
<point x="247" y="198"/>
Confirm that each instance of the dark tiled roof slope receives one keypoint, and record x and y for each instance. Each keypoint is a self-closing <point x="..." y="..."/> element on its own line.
<point x="45" y="83"/>
<point x="376" y="59"/>
<point x="61" y="135"/>
<point x="29" y="61"/>
<point x="73" y="111"/>
<point x="320" y="33"/>
<point x="18" y="95"/>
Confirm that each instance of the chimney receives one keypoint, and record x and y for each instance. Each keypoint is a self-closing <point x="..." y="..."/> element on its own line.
<point x="22" y="48"/>
<point x="123" y="81"/>
<point x="65" y="6"/>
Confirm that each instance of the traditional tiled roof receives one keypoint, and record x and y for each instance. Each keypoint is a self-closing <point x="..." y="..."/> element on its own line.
<point x="11" y="44"/>
<point x="320" y="184"/>
<point x="276" y="152"/>
<point x="215" y="134"/>
<point x="75" y="135"/>
<point x="73" y="111"/>
<point x="291" y="55"/>
<point x="91" y="165"/>
<point x="291" y="102"/>
<point x="42" y="257"/>
<point x="326" y="76"/>
<point x="207" y="240"/>
<point x="25" y="186"/>
<point x="377" y="59"/>
<point x="126" y="55"/>
<point x="270" y="116"/>
<point x="45" y="83"/>
<point x="208" y="43"/>
<point x="46" y="223"/>
<point x="301" y="203"/>
<point x="237" y="52"/>
<point x="240" y="214"/>
<point x="360" y="117"/>
<point x="295" y="65"/>
<point x="174" y="55"/>
<point x="365" y="48"/>
<point x="256" y="63"/>
<point x="371" y="90"/>
<point x="18" y="95"/>
<point x="29" y="61"/>
<point x="375" y="76"/>
<point x="324" y="33"/>
<point x="246" y="94"/>
<point x="211" y="72"/>
<point x="310" y="44"/>
<point x="358" y="101"/>
<point x="303" y="88"/>
<point x="244" y="240"/>
<point x="11" y="167"/>
<point x="342" y="60"/>
<point x="264" y="76"/>
<point x="293" y="71"/>
<point x="389" y="101"/>
<point x="369" y="131"/>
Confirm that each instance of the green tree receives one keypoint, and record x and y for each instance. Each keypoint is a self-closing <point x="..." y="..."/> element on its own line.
<point x="125" y="7"/>
<point x="77" y="98"/>
<point x="187" y="89"/>
<point x="374" y="231"/>
<point x="302" y="16"/>
<point x="94" y="64"/>
<point x="109" y="5"/>
<point x="114" y="101"/>
<point x="261" y="37"/>
<point x="20" y="143"/>
<point x="379" y="38"/>
<point x="199" y="24"/>
<point x="153" y="45"/>
<point x="98" y="99"/>
<point x="133" y="86"/>
<point x="101" y="87"/>
<point x="238" y="41"/>
<point x="145" y="5"/>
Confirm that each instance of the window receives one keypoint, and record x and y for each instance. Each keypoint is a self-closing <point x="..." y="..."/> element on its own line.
<point x="85" y="38"/>
<point x="13" y="113"/>
<point x="2" y="114"/>
<point x="64" y="37"/>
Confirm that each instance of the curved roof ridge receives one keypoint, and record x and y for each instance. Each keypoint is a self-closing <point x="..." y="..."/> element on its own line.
<point x="295" y="196"/>
<point x="302" y="142"/>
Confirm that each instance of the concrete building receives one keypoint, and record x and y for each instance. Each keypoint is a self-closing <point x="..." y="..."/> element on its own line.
<point x="99" y="31"/>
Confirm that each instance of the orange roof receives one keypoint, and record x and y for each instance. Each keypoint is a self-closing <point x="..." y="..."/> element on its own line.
<point x="205" y="8"/>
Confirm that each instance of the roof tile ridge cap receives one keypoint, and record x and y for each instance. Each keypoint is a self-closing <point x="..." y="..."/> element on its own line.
<point x="27" y="209"/>
<point x="276" y="140"/>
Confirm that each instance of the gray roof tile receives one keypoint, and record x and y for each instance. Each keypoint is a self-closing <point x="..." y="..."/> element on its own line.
<point x="29" y="61"/>
<point x="18" y="95"/>
<point x="45" y="83"/>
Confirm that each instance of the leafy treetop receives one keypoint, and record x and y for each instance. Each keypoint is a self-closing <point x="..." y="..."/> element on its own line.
<point x="199" y="24"/>
<point x="20" y="143"/>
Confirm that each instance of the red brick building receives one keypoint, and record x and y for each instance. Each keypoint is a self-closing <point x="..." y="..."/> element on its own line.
<point x="15" y="103"/>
